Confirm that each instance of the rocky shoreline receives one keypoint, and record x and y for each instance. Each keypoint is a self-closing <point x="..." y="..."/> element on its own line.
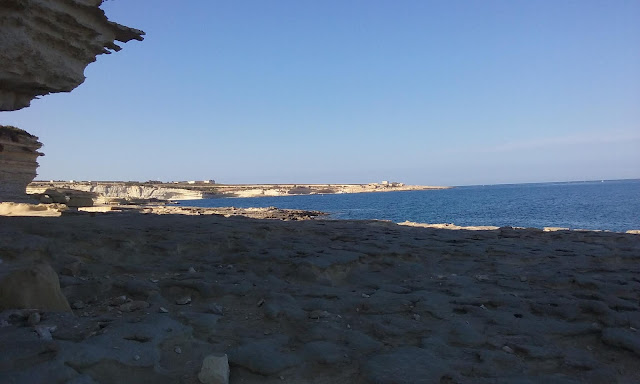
<point x="154" y="297"/>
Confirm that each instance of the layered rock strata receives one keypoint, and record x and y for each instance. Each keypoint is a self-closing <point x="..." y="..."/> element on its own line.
<point x="18" y="162"/>
<point x="45" y="46"/>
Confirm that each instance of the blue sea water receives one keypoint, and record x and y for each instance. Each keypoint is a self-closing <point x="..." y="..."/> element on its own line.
<point x="608" y="205"/>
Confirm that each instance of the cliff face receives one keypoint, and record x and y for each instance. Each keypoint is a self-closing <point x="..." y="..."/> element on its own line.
<point x="18" y="162"/>
<point x="45" y="46"/>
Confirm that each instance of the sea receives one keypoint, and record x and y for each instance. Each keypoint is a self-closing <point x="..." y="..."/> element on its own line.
<point x="612" y="205"/>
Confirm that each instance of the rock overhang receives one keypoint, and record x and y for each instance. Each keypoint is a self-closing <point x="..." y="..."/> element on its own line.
<point x="45" y="45"/>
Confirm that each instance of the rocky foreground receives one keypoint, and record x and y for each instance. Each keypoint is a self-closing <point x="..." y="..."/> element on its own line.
<point x="149" y="298"/>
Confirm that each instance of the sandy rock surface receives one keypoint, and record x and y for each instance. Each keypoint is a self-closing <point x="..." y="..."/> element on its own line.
<point x="320" y="301"/>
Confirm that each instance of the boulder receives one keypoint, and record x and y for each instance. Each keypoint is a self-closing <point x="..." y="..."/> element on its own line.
<point x="36" y="287"/>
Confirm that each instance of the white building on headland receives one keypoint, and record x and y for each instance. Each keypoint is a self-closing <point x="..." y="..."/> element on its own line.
<point x="391" y="184"/>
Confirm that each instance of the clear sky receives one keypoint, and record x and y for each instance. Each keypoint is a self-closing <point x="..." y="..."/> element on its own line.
<point x="334" y="91"/>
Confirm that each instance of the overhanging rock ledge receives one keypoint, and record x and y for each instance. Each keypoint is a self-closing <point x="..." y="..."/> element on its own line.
<point x="45" y="45"/>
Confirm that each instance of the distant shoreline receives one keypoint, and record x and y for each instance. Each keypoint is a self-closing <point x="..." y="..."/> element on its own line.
<point x="106" y="192"/>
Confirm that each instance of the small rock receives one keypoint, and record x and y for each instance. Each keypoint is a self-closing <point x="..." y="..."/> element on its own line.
<point x="134" y="306"/>
<point x="523" y="278"/>
<point x="215" y="370"/>
<point x="192" y="270"/>
<point x="260" y="303"/>
<point x="319" y="314"/>
<point x="184" y="300"/>
<point x="136" y="357"/>
<point x="416" y="317"/>
<point x="118" y="300"/>
<point x="364" y="295"/>
<point x="78" y="305"/>
<point x="34" y="318"/>
<point x="178" y="350"/>
<point x="216" y="309"/>
<point x="44" y="331"/>
<point x="71" y="269"/>
<point x="154" y="280"/>
<point x="482" y="277"/>
<point x="507" y="349"/>
<point x="163" y="310"/>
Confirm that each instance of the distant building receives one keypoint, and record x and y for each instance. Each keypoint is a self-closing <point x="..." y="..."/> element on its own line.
<point x="385" y="182"/>
<point x="209" y="182"/>
<point x="191" y="182"/>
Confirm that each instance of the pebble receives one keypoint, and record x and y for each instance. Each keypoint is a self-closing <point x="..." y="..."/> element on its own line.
<point x="184" y="300"/>
<point x="136" y="357"/>
<point x="178" y="350"/>
<point x="260" y="302"/>
<point x="154" y="280"/>
<point x="163" y="310"/>
<point x="78" y="305"/>
<point x="416" y="317"/>
<point x="192" y="270"/>
<point x="507" y="349"/>
<point x="364" y="295"/>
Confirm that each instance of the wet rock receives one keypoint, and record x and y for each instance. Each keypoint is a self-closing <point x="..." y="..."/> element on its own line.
<point x="215" y="370"/>
<point x="35" y="287"/>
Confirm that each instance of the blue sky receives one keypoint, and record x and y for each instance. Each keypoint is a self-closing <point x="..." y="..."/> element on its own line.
<point x="335" y="91"/>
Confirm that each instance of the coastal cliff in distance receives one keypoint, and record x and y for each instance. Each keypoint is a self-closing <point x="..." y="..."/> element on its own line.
<point x="107" y="192"/>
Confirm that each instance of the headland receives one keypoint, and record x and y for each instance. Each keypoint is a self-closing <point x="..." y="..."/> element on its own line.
<point x="108" y="192"/>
